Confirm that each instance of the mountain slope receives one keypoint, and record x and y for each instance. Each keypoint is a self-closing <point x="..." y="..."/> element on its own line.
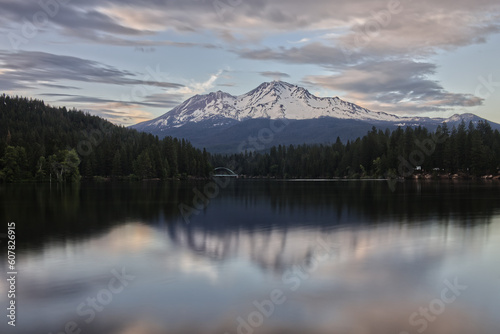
<point x="220" y="121"/>
<point x="272" y="100"/>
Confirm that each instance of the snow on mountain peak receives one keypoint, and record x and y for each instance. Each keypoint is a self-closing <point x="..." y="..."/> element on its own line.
<point x="467" y="117"/>
<point x="274" y="100"/>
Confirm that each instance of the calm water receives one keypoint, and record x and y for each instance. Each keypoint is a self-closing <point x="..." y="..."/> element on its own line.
<point x="259" y="257"/>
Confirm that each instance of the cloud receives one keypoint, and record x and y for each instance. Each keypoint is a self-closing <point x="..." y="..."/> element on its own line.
<point x="383" y="65"/>
<point x="194" y="87"/>
<point x="80" y="99"/>
<point x="274" y="75"/>
<point x="159" y="100"/>
<point x="420" y="30"/>
<point x="58" y="86"/>
<point x="442" y="23"/>
<point x="140" y="44"/>
<point x="118" y="112"/>
<point x="123" y="114"/>
<point x="144" y="50"/>
<point x="395" y="85"/>
<point x="27" y="69"/>
<point x="315" y="53"/>
<point x="122" y="23"/>
<point x="377" y="55"/>
<point x="163" y="100"/>
<point x="348" y="39"/>
<point x="229" y="84"/>
<point x="300" y="41"/>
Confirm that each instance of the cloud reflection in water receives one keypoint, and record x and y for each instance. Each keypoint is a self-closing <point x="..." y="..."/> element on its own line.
<point x="199" y="281"/>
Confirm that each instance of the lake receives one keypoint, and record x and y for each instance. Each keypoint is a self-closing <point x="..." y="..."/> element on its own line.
<point x="254" y="256"/>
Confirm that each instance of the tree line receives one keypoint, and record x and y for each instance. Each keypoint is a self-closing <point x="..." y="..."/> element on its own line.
<point x="41" y="142"/>
<point x="472" y="149"/>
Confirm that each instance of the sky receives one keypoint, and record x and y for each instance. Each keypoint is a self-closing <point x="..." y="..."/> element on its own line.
<point x="131" y="61"/>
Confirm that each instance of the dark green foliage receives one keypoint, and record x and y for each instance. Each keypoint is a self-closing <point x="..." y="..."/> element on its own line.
<point x="14" y="164"/>
<point x="472" y="150"/>
<point x="64" y="165"/>
<point x="39" y="142"/>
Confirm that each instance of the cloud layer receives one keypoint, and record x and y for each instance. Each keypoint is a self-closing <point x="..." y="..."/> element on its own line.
<point x="27" y="69"/>
<point x="376" y="53"/>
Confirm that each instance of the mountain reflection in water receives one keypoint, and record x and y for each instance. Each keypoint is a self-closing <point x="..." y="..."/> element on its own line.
<point x="346" y="257"/>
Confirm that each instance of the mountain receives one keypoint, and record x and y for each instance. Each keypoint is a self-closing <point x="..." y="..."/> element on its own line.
<point x="221" y="122"/>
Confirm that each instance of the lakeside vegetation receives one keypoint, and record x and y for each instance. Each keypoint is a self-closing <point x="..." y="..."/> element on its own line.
<point x="41" y="143"/>
<point x="469" y="150"/>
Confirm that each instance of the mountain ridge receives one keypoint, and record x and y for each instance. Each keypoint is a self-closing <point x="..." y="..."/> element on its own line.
<point x="206" y="119"/>
<point x="275" y="99"/>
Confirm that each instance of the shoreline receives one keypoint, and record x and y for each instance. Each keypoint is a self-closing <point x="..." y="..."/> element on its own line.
<point x="419" y="177"/>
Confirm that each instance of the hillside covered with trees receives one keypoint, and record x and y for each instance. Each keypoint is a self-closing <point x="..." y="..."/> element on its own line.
<point x="40" y="142"/>
<point x="470" y="150"/>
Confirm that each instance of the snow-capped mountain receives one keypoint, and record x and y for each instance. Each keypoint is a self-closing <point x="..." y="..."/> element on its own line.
<point x="220" y="120"/>
<point x="273" y="100"/>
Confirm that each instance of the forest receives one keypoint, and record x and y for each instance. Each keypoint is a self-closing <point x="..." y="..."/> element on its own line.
<point x="468" y="150"/>
<point x="43" y="143"/>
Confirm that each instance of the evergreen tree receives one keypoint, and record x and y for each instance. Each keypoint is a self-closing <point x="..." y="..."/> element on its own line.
<point x="44" y="132"/>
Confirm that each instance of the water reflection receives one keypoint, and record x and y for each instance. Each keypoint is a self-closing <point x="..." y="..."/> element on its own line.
<point x="58" y="212"/>
<point x="385" y="261"/>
